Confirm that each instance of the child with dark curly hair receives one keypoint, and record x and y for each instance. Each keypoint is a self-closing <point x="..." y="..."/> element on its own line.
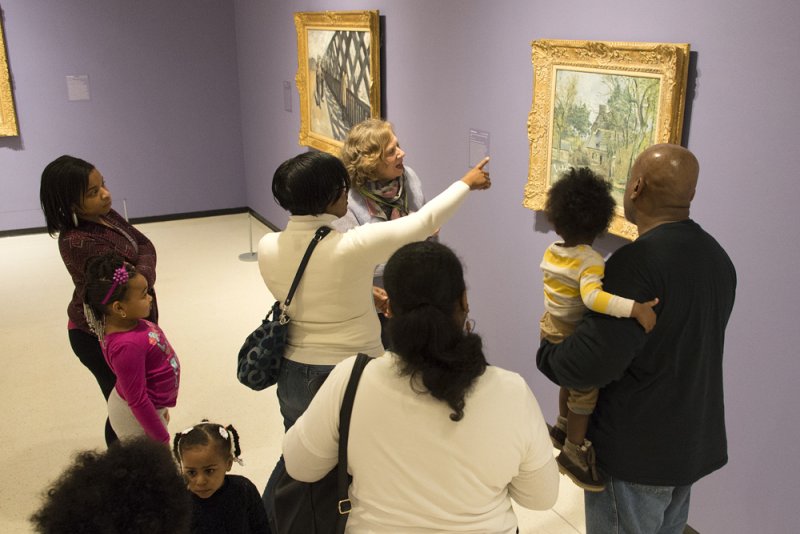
<point x="133" y="487"/>
<point x="580" y="207"/>
<point x="221" y="503"/>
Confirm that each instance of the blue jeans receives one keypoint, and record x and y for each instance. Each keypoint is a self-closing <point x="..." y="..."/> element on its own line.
<point x="297" y="385"/>
<point x="628" y="508"/>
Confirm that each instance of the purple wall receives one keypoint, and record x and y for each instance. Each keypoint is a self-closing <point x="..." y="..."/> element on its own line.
<point x="456" y="64"/>
<point x="175" y="127"/>
<point x="163" y="123"/>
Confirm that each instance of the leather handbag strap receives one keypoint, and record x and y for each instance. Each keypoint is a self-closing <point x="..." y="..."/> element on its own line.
<point x="344" y="430"/>
<point x="322" y="231"/>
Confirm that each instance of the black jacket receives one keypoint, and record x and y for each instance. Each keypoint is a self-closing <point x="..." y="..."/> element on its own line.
<point x="660" y="417"/>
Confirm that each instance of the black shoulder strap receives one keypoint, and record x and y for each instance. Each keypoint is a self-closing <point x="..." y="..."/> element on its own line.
<point x="344" y="430"/>
<point x="322" y="231"/>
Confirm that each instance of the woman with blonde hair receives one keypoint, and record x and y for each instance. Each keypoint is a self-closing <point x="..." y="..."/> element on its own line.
<point x="383" y="188"/>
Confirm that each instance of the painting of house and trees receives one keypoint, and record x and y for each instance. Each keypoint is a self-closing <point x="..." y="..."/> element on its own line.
<point x="602" y="120"/>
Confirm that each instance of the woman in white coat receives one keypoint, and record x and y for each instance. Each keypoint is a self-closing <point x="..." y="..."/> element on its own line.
<point x="333" y="312"/>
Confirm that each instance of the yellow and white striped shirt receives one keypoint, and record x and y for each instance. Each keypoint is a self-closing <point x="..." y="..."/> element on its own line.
<point x="573" y="281"/>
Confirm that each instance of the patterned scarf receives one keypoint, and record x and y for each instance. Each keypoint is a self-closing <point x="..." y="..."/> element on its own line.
<point x="387" y="197"/>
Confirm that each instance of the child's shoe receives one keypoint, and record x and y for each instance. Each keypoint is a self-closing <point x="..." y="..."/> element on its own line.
<point x="578" y="463"/>
<point x="557" y="435"/>
<point x="558" y="432"/>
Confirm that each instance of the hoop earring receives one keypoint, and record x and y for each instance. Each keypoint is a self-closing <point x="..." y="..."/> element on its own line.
<point x="469" y="325"/>
<point x="74" y="219"/>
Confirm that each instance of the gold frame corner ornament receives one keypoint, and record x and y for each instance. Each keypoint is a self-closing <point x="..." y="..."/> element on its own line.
<point x="8" y="115"/>
<point x="359" y="21"/>
<point x="666" y="62"/>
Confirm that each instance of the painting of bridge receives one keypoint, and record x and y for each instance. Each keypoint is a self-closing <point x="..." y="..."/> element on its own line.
<point x="338" y="75"/>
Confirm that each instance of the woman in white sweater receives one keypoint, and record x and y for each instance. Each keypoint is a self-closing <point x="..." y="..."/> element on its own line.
<point x="439" y="441"/>
<point x="333" y="312"/>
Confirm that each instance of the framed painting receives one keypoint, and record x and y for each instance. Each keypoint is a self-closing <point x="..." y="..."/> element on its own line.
<point x="338" y="74"/>
<point x="599" y="104"/>
<point x="8" y="117"/>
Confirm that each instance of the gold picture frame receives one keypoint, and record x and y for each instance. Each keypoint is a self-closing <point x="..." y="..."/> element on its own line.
<point x="338" y="74"/>
<point x="8" y="116"/>
<point x="599" y="104"/>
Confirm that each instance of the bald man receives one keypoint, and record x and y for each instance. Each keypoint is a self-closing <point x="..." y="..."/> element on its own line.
<point x="659" y="425"/>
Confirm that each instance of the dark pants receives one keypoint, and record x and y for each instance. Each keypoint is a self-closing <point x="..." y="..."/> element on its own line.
<point x="87" y="348"/>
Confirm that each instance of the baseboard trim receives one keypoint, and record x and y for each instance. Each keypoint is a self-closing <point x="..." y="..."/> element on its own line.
<point x="264" y="221"/>
<point x="160" y="218"/>
<point x="188" y="215"/>
<point x="23" y="231"/>
<point x="689" y="530"/>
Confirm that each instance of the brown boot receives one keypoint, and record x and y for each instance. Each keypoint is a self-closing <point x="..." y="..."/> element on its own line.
<point x="578" y="463"/>
<point x="558" y="432"/>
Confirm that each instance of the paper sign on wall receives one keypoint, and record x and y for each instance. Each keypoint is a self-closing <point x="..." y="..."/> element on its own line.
<point x="78" y="87"/>
<point x="478" y="146"/>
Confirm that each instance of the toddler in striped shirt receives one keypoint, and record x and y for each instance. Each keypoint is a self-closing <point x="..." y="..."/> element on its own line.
<point x="580" y="207"/>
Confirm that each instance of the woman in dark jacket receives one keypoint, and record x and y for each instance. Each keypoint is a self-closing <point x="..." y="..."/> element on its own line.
<point x="77" y="207"/>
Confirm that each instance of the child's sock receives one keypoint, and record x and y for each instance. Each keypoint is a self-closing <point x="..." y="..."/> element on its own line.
<point x="561" y="423"/>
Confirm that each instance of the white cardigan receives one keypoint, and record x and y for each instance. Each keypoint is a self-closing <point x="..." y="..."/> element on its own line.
<point x="333" y="312"/>
<point x="415" y="470"/>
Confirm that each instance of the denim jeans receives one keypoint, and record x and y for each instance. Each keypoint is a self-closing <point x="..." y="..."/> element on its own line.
<point x="297" y="385"/>
<point x="628" y="508"/>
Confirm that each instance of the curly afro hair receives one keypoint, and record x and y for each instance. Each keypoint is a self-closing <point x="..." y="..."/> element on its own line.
<point x="580" y="205"/>
<point x="133" y="488"/>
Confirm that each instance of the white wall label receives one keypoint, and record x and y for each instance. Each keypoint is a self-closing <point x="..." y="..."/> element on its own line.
<point x="478" y="146"/>
<point x="78" y="87"/>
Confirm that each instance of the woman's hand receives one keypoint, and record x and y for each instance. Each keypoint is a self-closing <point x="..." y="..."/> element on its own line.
<point x="477" y="178"/>
<point x="381" y="299"/>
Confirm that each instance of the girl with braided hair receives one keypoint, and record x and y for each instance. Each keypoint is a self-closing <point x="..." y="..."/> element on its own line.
<point x="221" y="503"/>
<point x="116" y="303"/>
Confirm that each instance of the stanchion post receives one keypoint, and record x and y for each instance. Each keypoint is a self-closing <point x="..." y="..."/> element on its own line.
<point x="249" y="256"/>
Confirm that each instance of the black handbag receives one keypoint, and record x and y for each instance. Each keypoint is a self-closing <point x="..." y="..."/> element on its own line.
<point x="319" y="507"/>
<point x="261" y="355"/>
